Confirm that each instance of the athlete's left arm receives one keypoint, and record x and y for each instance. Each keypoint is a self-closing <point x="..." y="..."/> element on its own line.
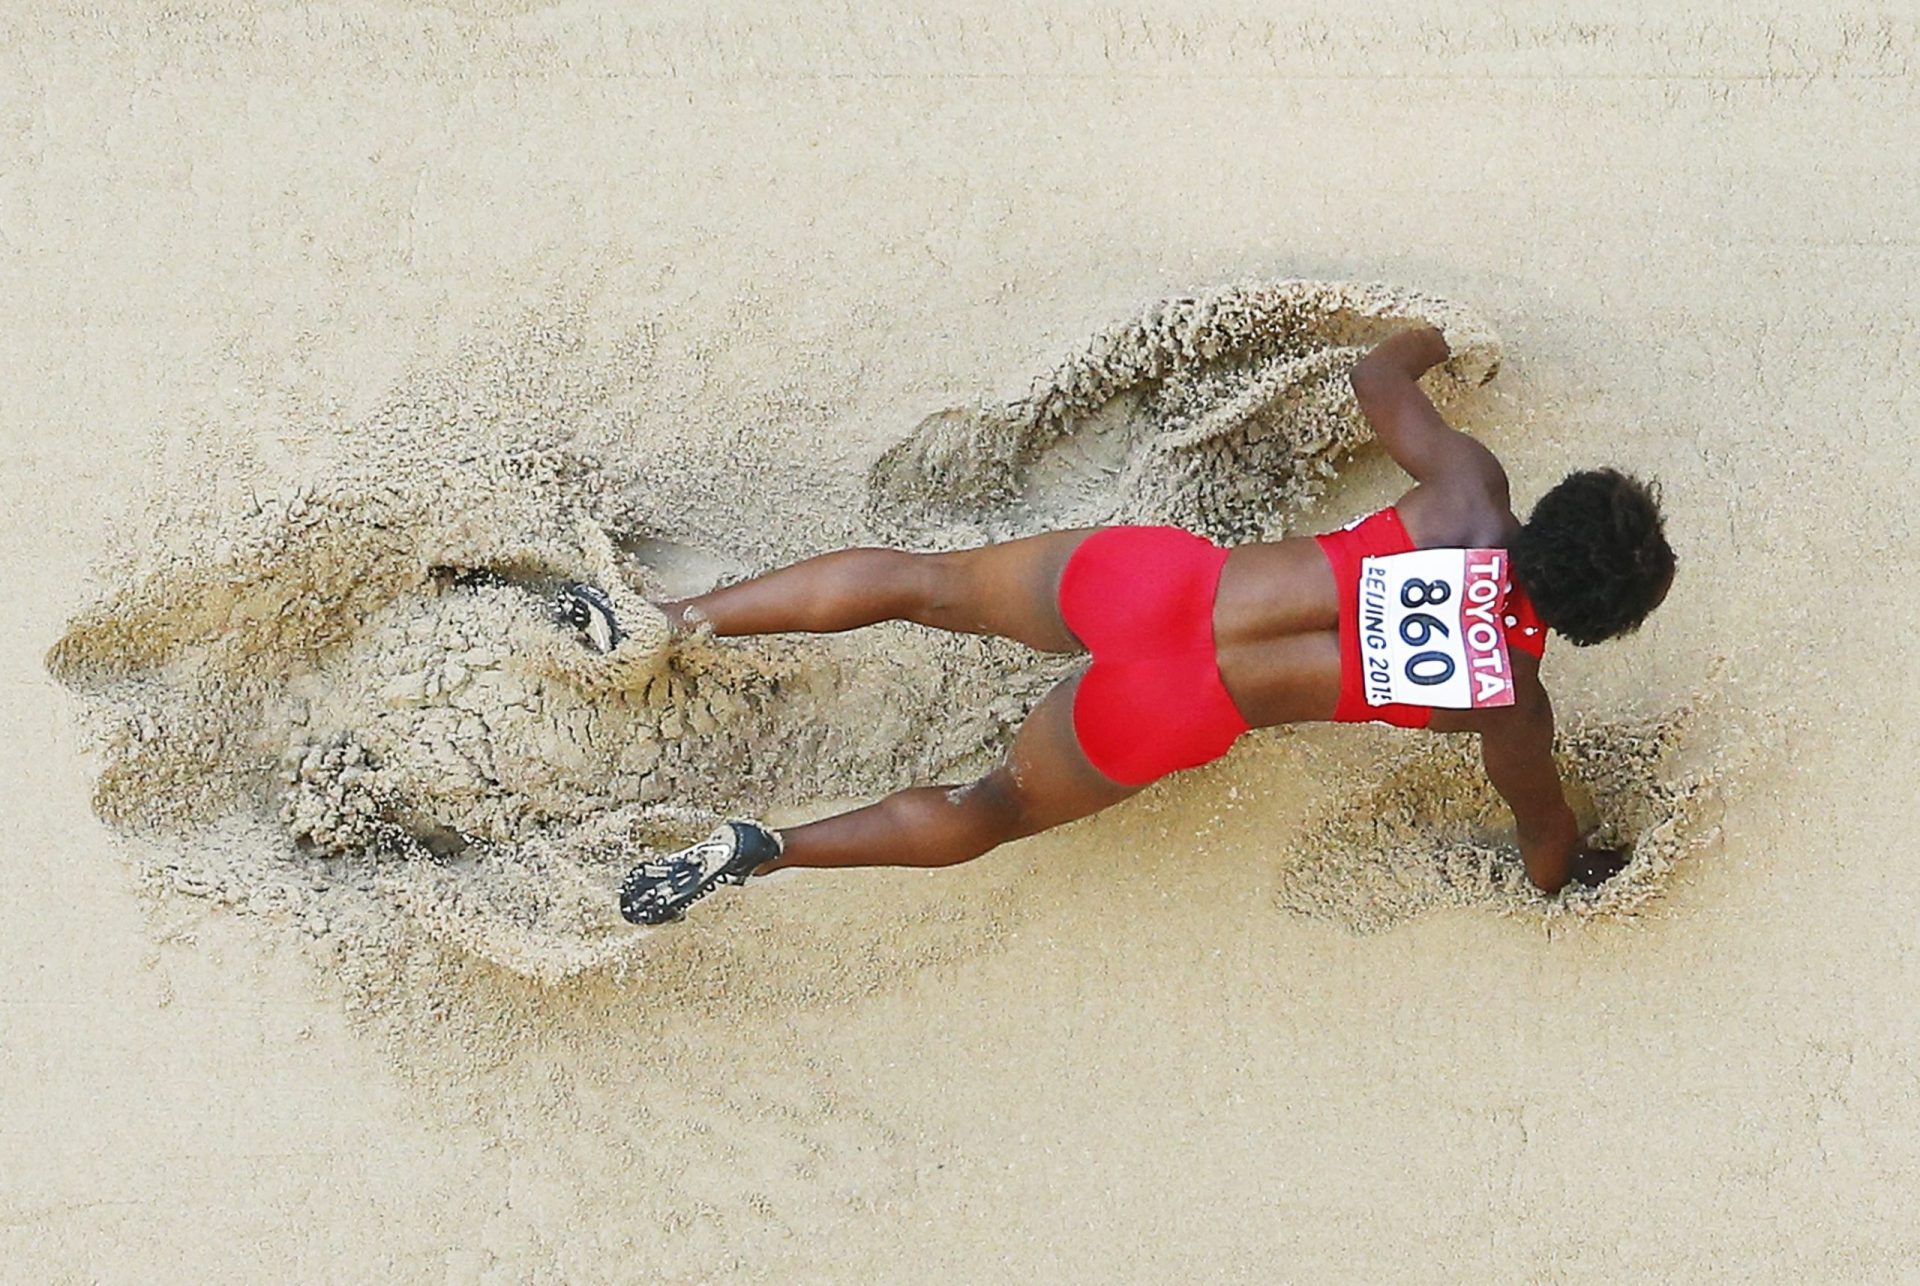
<point x="1386" y="385"/>
<point x="1516" y="744"/>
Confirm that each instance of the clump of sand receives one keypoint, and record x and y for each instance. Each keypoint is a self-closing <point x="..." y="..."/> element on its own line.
<point x="350" y="707"/>
<point x="1222" y="412"/>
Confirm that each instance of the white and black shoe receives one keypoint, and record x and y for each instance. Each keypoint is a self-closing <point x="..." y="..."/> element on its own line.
<point x="587" y="609"/>
<point x="660" y="890"/>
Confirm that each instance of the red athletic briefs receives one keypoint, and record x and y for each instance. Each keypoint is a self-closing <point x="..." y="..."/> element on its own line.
<point x="1380" y="533"/>
<point x="1152" y="701"/>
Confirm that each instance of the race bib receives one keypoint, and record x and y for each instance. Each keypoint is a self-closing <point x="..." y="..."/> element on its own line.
<point x="1430" y="629"/>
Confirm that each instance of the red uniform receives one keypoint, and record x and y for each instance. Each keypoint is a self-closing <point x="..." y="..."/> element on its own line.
<point x="1378" y="534"/>
<point x="1152" y="701"/>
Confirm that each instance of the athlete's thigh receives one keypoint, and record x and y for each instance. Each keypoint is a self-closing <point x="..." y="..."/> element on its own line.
<point x="1051" y="776"/>
<point x="1011" y="589"/>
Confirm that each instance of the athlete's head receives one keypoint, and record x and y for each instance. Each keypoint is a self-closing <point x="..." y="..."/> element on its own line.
<point x="1593" y="557"/>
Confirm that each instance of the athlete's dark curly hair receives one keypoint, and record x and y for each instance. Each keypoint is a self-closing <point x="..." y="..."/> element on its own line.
<point x="1593" y="556"/>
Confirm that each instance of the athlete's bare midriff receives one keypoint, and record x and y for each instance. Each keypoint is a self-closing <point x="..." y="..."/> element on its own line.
<point x="1276" y="629"/>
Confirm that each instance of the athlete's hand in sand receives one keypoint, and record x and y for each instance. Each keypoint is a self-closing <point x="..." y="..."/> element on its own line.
<point x="1595" y="866"/>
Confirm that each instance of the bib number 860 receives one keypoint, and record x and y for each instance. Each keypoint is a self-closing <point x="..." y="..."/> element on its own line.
<point x="1429" y="628"/>
<point x="1417" y="629"/>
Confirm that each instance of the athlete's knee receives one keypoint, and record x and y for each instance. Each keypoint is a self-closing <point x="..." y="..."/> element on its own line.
<point x="945" y="585"/>
<point x="942" y="825"/>
<point x="997" y="807"/>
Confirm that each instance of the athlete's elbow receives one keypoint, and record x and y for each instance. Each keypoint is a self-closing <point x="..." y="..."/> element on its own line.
<point x="1397" y="362"/>
<point x="1369" y="379"/>
<point x="1380" y="390"/>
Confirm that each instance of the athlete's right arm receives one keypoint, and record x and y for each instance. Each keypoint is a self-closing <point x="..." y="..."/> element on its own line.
<point x="1517" y="747"/>
<point x="1386" y="384"/>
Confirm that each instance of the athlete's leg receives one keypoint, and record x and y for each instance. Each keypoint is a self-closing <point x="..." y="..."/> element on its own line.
<point x="1007" y="589"/>
<point x="1045" y="781"/>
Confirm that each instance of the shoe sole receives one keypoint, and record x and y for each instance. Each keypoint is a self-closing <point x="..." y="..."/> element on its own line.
<point x="700" y="890"/>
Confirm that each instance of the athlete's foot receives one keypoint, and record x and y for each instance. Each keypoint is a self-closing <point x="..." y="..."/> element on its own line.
<point x="660" y="890"/>
<point x="683" y="617"/>
<point x="587" y="608"/>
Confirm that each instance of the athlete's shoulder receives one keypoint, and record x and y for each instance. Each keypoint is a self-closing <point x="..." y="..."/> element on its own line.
<point x="1460" y="513"/>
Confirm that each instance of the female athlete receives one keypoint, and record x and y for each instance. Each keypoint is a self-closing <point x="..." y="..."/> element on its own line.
<point x="1192" y="644"/>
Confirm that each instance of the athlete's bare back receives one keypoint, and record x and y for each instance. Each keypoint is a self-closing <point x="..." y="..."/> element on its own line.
<point x="1276" y="621"/>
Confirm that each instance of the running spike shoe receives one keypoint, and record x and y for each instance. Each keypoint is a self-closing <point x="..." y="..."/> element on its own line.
<point x="587" y="609"/>
<point x="660" y="890"/>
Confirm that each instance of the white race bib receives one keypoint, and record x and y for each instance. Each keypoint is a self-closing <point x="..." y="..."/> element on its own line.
<point x="1430" y="630"/>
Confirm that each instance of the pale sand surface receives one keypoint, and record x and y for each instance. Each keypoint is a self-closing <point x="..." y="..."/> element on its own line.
<point x="1122" y="1055"/>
